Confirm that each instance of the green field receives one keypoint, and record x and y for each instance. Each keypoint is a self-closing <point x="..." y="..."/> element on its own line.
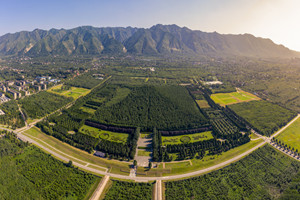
<point x="264" y="116"/>
<point x="73" y="92"/>
<point x="203" y="103"/>
<point x="233" y="97"/>
<point x="264" y="174"/>
<point x="183" y="138"/>
<point x="87" y="109"/>
<point x="106" y="135"/>
<point x="291" y="135"/>
<point x="144" y="152"/>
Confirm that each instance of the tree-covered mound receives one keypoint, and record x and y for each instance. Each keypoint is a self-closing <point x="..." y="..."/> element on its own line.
<point x="164" y="107"/>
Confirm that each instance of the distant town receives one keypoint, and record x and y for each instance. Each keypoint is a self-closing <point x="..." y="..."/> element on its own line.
<point x="16" y="89"/>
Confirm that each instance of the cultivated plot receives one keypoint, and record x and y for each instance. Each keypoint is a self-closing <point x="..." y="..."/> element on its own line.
<point x="233" y="97"/>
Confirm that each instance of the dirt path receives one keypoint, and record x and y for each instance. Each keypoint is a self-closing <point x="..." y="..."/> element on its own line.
<point x="97" y="193"/>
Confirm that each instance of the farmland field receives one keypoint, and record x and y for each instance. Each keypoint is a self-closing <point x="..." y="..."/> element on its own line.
<point x="264" y="116"/>
<point x="233" y="97"/>
<point x="106" y="135"/>
<point x="73" y="92"/>
<point x="264" y="174"/>
<point x="291" y="135"/>
<point x="180" y="139"/>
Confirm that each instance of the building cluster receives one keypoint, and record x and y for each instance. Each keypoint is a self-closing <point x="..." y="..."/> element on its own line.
<point x="18" y="88"/>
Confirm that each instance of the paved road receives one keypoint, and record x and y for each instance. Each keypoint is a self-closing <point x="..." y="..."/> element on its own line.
<point x="158" y="190"/>
<point x="97" y="193"/>
<point x="268" y="139"/>
<point x="86" y="167"/>
<point x="206" y="170"/>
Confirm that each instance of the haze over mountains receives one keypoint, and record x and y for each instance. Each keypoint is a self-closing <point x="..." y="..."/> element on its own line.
<point x="157" y="40"/>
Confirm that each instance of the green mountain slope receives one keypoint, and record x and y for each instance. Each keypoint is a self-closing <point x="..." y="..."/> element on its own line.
<point x="157" y="40"/>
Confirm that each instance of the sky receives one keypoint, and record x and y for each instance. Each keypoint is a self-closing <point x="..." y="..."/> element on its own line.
<point x="274" y="19"/>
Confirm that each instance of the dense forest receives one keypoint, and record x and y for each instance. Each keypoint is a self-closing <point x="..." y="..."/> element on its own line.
<point x="86" y="80"/>
<point x="264" y="174"/>
<point x="165" y="107"/>
<point x="43" y="103"/>
<point x="127" y="190"/>
<point x="29" y="173"/>
<point x="264" y="117"/>
<point x="12" y="116"/>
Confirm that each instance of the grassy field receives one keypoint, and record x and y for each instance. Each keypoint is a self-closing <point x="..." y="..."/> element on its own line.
<point x="291" y="135"/>
<point x="203" y="103"/>
<point x="77" y="154"/>
<point x="184" y="138"/>
<point x="142" y="152"/>
<point x="264" y="116"/>
<point x="233" y="97"/>
<point x="107" y="135"/>
<point x="73" y="92"/>
<point x="87" y="109"/>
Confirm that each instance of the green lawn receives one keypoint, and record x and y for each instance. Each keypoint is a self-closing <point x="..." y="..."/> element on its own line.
<point x="74" y="92"/>
<point x="291" y="135"/>
<point x="87" y="110"/>
<point x="107" y="135"/>
<point x="233" y="97"/>
<point x="142" y="152"/>
<point x="181" y="138"/>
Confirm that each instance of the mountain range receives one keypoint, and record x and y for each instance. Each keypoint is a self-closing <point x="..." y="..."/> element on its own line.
<point x="157" y="40"/>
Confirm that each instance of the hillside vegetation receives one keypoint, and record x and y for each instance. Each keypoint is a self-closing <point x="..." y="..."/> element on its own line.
<point x="157" y="40"/>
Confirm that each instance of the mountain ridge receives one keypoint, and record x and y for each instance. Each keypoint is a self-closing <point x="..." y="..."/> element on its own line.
<point x="156" y="40"/>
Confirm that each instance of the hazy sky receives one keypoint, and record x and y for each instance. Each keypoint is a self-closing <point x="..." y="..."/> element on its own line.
<point x="274" y="19"/>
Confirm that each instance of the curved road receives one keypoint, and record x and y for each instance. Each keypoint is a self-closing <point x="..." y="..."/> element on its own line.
<point x="198" y="172"/>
